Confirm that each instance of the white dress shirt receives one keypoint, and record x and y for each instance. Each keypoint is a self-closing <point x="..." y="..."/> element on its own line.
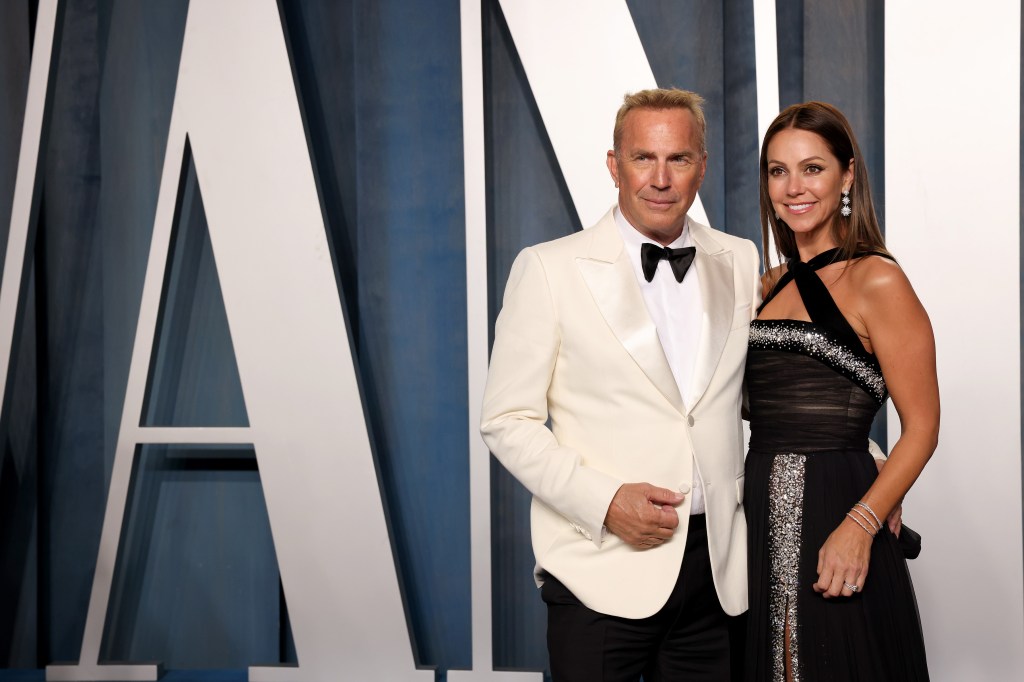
<point x="678" y="313"/>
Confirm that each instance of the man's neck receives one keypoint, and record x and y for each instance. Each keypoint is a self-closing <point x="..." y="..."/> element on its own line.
<point x="662" y="240"/>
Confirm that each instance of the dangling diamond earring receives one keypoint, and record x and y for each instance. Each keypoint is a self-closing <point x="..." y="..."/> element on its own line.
<point x="846" y="210"/>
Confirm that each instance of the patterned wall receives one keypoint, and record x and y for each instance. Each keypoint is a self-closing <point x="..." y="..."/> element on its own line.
<point x="380" y="85"/>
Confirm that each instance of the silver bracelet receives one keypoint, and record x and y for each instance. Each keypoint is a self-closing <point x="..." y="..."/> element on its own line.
<point x="860" y="523"/>
<point x="870" y="511"/>
<point x="866" y="518"/>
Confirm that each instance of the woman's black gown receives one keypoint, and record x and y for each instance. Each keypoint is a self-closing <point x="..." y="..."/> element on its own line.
<point x="813" y="392"/>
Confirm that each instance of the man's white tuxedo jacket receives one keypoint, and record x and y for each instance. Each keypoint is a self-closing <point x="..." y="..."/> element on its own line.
<point x="580" y="399"/>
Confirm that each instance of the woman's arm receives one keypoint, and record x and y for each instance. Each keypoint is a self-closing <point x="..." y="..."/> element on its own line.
<point x="902" y="339"/>
<point x="901" y="336"/>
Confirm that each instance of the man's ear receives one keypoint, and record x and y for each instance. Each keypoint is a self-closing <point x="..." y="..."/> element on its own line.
<point x="613" y="166"/>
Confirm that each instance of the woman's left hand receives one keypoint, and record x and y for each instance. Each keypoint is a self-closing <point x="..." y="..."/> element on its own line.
<point x="843" y="561"/>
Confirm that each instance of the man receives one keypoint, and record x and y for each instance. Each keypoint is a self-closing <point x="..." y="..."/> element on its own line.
<point x="614" y="396"/>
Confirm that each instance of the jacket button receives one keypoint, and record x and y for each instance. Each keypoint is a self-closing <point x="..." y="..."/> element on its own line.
<point x="684" y="488"/>
<point x="689" y="420"/>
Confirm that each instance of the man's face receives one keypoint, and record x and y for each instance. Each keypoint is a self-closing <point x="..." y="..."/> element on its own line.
<point x="658" y="170"/>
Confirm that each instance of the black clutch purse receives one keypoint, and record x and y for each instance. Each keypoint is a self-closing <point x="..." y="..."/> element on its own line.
<point x="910" y="542"/>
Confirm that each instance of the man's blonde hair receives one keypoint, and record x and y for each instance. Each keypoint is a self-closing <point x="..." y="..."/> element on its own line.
<point x="661" y="98"/>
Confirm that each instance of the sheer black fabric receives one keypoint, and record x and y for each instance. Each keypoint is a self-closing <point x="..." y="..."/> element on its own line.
<point x="812" y="398"/>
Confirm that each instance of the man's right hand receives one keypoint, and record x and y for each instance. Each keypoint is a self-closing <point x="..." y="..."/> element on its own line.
<point x="643" y="515"/>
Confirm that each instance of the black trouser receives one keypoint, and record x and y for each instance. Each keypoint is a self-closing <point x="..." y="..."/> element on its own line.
<point x="688" y="639"/>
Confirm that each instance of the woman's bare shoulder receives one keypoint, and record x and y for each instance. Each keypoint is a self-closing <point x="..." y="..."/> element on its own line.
<point x="877" y="276"/>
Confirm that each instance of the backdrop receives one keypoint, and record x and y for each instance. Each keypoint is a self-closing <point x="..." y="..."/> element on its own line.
<point x="443" y="137"/>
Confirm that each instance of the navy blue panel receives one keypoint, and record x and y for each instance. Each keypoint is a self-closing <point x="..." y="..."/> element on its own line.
<point x="742" y="141"/>
<point x="22" y="675"/>
<point x="707" y="46"/>
<point x="19" y="510"/>
<point x="834" y="50"/>
<point x="412" y="303"/>
<point x="14" y="62"/>
<point x="527" y="203"/>
<point x="195" y="583"/>
<point x="845" y="65"/>
<point x="789" y="29"/>
<point x="114" y="87"/>
<point x="18" y="459"/>
<point x="380" y="84"/>
<point x="70" y="328"/>
<point x="193" y="377"/>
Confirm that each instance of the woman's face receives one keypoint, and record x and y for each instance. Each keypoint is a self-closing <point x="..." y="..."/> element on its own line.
<point x="805" y="181"/>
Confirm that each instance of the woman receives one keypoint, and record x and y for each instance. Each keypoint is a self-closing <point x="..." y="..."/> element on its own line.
<point x="840" y="330"/>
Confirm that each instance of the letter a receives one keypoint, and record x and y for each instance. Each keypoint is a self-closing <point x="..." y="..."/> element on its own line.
<point x="236" y="109"/>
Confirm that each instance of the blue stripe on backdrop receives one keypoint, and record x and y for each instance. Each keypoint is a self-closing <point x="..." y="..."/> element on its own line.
<point x="412" y="304"/>
<point x="14" y="61"/>
<point x="73" y="457"/>
<point x="381" y="88"/>
<point x="844" y="63"/>
<point x="21" y="609"/>
<point x="19" y="565"/>
<point x="789" y="30"/>
<point x="742" y="144"/>
<point x="834" y="50"/>
<point x="115" y="83"/>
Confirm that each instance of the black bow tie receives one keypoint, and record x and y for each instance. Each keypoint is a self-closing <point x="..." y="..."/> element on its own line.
<point x="679" y="259"/>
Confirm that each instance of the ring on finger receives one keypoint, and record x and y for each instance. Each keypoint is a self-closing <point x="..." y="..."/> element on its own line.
<point x="851" y="588"/>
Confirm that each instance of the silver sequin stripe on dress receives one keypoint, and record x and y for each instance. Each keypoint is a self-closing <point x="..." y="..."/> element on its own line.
<point x="792" y="336"/>
<point x="785" y="522"/>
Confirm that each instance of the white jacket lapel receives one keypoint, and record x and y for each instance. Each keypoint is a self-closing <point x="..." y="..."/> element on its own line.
<point x="612" y="282"/>
<point x="715" y="269"/>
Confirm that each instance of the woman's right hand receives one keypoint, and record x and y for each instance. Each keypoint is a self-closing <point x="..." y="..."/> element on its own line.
<point x="843" y="561"/>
